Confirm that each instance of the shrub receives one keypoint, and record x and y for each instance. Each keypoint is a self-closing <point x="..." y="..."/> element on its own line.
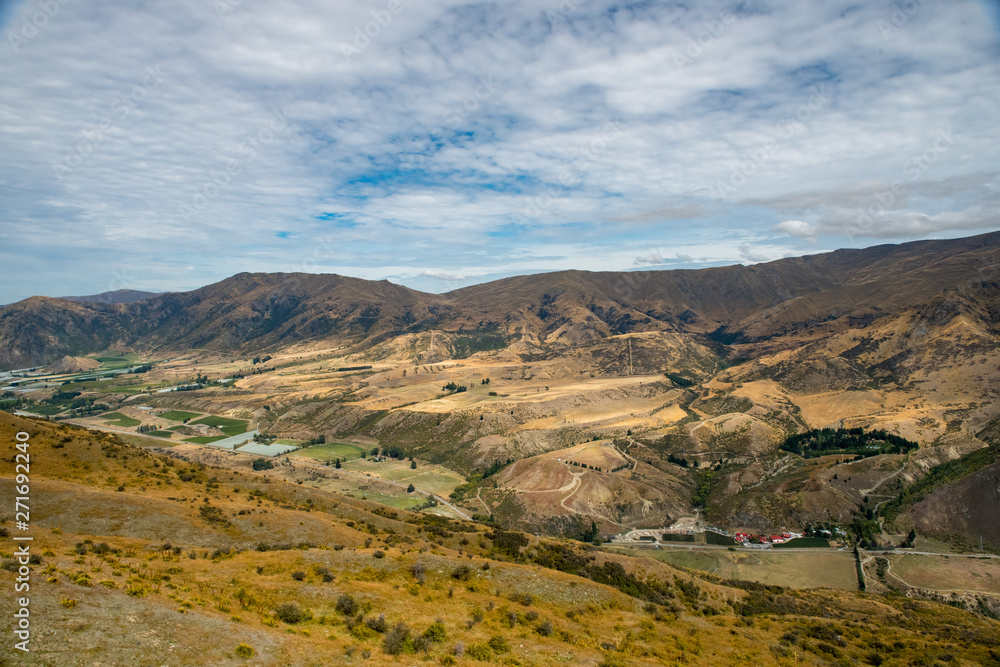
<point x="346" y="605"/>
<point x="395" y="640"/>
<point x="462" y="573"/>
<point x="479" y="652"/>
<point x="499" y="644"/>
<point x="544" y="628"/>
<point x="379" y="553"/>
<point x="291" y="613"/>
<point x="435" y="633"/>
<point x="378" y="623"/>
<point x="245" y="651"/>
<point x="298" y="575"/>
<point x="69" y="603"/>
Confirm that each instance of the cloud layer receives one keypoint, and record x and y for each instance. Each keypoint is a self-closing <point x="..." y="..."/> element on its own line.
<point x="156" y="145"/>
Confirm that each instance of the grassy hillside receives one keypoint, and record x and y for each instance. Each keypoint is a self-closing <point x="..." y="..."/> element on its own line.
<point x="142" y="557"/>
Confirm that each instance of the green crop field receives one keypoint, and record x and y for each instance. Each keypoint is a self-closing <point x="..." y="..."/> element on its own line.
<point x="331" y="451"/>
<point x="118" y="419"/>
<point x="805" y="543"/>
<point x="227" y="425"/>
<point x="179" y="415"/>
<point x="204" y="440"/>
<point x="47" y="410"/>
<point x="176" y="428"/>
<point x="161" y="434"/>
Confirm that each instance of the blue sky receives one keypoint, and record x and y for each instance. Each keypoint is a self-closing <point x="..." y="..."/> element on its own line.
<point x="168" y="145"/>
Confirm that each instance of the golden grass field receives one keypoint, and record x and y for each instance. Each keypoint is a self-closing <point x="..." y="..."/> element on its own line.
<point x="822" y="569"/>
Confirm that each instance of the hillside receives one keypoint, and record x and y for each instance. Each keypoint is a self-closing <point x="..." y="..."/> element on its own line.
<point x="143" y="556"/>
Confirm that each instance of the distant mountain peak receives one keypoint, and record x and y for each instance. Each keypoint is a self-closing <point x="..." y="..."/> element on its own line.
<point x="116" y="296"/>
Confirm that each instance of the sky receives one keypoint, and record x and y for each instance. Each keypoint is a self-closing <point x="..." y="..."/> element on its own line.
<point x="164" y="146"/>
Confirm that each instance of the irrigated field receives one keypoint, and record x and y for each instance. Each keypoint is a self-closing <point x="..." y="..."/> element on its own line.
<point x="331" y="451"/>
<point x="178" y="415"/>
<point x="228" y="426"/>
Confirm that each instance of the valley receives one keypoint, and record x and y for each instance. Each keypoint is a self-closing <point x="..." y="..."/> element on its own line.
<point x="862" y="429"/>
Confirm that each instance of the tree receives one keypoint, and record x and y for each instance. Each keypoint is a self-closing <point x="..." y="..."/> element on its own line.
<point x="411" y="488"/>
<point x="413" y="465"/>
<point x="337" y="464"/>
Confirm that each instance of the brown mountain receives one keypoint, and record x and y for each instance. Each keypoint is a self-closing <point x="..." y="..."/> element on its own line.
<point x="806" y="296"/>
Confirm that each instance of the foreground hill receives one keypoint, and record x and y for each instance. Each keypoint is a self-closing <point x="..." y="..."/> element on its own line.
<point x="140" y="557"/>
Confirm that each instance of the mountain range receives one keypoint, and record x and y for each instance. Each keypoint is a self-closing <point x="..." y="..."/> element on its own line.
<point x="802" y="297"/>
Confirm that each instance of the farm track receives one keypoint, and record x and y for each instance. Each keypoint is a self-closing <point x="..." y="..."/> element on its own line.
<point x="886" y="479"/>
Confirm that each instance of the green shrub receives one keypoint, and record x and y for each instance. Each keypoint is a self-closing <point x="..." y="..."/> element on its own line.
<point x="244" y="651"/>
<point x="395" y="642"/>
<point x="435" y="633"/>
<point x="479" y="652"/>
<point x="291" y="613"/>
<point x="499" y="644"/>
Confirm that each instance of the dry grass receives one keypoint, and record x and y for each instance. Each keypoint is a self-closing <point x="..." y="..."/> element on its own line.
<point x="109" y="589"/>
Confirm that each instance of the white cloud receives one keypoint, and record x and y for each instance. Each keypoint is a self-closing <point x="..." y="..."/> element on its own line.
<point x="426" y="149"/>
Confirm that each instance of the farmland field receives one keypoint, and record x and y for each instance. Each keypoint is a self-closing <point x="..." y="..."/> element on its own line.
<point x="161" y="434"/>
<point x="830" y="569"/>
<point x="433" y="478"/>
<point x="205" y="439"/>
<point x="118" y="419"/>
<point x="945" y="574"/>
<point x="179" y="415"/>
<point x="228" y="426"/>
<point x="331" y="451"/>
<point x="47" y="410"/>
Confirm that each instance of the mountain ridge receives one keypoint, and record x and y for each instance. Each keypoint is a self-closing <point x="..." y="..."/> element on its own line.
<point x="737" y="303"/>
